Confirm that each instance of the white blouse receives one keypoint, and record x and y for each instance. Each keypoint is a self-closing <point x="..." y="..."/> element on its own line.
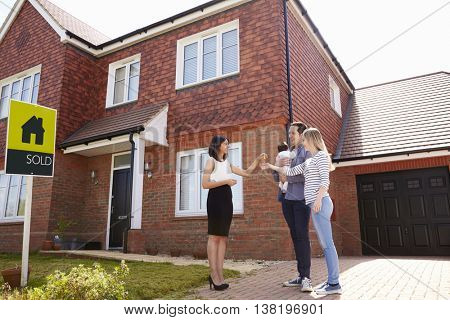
<point x="222" y="170"/>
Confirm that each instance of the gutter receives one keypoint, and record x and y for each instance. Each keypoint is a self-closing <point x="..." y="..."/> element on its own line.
<point x="109" y="136"/>
<point x="288" y="67"/>
<point x="390" y="155"/>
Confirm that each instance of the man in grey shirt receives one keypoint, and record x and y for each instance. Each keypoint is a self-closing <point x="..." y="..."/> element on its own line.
<point x="296" y="212"/>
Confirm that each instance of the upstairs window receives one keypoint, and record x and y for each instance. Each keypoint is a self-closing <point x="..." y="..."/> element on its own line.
<point x="123" y="81"/>
<point x="208" y="55"/>
<point x="23" y="86"/>
<point x="335" y="96"/>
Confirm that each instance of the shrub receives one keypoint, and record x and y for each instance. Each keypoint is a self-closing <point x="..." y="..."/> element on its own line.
<point x="81" y="283"/>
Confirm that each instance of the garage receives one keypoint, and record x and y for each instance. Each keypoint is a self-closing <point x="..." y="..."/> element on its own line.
<point x="405" y="212"/>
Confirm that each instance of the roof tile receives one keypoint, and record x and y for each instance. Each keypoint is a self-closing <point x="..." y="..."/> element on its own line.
<point x="404" y="116"/>
<point x="74" y="25"/>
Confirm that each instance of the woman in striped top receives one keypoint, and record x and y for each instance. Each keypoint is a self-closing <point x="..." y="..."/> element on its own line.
<point x="316" y="171"/>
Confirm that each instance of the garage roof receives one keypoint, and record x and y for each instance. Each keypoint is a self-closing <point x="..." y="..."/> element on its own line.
<point x="400" y="117"/>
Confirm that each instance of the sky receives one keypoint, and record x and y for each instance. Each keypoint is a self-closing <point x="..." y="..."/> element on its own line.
<point x="375" y="41"/>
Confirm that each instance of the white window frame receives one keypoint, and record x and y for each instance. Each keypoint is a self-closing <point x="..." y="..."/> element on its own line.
<point x="335" y="96"/>
<point x="196" y="211"/>
<point x="16" y="218"/>
<point x="112" y="79"/>
<point x="198" y="38"/>
<point x="20" y="77"/>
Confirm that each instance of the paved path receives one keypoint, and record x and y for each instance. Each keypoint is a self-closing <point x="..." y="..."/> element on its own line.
<point x="241" y="266"/>
<point x="361" y="277"/>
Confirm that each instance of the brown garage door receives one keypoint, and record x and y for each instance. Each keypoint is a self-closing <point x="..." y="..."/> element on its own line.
<point x="405" y="212"/>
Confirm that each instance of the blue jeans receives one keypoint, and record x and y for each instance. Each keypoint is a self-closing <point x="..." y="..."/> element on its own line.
<point x="322" y="224"/>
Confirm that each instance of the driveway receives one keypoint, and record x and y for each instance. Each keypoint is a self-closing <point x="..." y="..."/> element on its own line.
<point x="361" y="278"/>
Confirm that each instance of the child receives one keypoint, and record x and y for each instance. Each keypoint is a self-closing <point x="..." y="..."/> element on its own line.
<point x="283" y="153"/>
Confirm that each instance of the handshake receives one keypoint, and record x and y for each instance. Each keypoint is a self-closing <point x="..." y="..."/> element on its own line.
<point x="262" y="161"/>
<point x="279" y="165"/>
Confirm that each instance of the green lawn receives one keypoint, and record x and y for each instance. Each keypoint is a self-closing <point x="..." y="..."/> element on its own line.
<point x="146" y="280"/>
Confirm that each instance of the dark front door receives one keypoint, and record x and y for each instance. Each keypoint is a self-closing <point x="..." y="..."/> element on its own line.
<point x="120" y="207"/>
<point x="405" y="212"/>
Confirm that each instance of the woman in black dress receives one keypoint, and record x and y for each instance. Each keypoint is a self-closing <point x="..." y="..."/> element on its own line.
<point x="217" y="178"/>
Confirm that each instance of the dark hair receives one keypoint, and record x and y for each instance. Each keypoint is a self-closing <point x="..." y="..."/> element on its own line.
<point x="283" y="146"/>
<point x="214" y="147"/>
<point x="300" y="126"/>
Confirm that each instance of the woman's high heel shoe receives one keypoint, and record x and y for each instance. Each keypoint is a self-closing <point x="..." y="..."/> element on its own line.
<point x="221" y="287"/>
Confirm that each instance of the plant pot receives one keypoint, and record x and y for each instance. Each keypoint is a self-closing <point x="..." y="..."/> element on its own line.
<point x="57" y="246"/>
<point x="66" y="245"/>
<point x="200" y="254"/>
<point x="175" y="252"/>
<point x="47" y="245"/>
<point x="152" y="251"/>
<point x="12" y="276"/>
<point x="76" y="245"/>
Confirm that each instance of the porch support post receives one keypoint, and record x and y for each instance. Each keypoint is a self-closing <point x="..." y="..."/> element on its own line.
<point x="138" y="183"/>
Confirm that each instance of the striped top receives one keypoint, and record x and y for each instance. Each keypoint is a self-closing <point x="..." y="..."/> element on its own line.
<point x="316" y="171"/>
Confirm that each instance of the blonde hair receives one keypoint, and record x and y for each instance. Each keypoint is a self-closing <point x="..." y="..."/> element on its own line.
<point x="314" y="137"/>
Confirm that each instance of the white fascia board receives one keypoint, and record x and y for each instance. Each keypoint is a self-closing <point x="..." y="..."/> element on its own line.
<point x="96" y="144"/>
<point x="403" y="157"/>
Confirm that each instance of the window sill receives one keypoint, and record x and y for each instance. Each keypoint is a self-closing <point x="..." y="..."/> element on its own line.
<point x="180" y="88"/>
<point x="189" y="217"/>
<point x="337" y="113"/>
<point x="178" y="217"/>
<point x="10" y="222"/>
<point x="122" y="104"/>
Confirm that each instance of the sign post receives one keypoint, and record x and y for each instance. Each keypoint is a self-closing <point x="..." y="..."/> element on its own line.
<point x="30" y="151"/>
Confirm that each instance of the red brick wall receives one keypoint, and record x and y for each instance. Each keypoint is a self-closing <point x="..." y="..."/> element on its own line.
<point x="310" y="85"/>
<point x="253" y="95"/>
<point x="79" y="94"/>
<point x="68" y="84"/>
<point x="42" y="46"/>
<point x="94" y="218"/>
<point x="344" y="193"/>
<point x="69" y="193"/>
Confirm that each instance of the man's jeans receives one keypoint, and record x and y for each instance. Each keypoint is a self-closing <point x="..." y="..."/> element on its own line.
<point x="297" y="215"/>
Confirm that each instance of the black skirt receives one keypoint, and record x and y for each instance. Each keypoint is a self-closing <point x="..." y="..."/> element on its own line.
<point x="220" y="210"/>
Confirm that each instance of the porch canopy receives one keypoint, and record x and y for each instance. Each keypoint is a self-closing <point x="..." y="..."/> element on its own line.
<point x="111" y="134"/>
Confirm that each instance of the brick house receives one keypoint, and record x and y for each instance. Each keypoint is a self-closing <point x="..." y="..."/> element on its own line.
<point x="136" y="113"/>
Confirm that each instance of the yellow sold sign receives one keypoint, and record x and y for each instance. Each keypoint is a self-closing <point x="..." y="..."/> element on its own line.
<point x="30" y="146"/>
